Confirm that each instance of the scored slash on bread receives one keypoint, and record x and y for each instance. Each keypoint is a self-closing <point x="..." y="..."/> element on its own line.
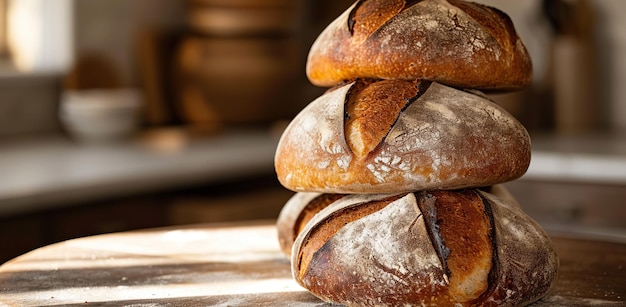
<point x="457" y="245"/>
<point x="371" y="111"/>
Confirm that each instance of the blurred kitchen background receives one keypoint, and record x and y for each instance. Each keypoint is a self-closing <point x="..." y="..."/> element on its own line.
<point x="118" y="115"/>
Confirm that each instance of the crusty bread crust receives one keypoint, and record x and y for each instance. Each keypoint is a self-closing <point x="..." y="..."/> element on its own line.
<point x="466" y="231"/>
<point x="457" y="43"/>
<point x="445" y="139"/>
<point x="527" y="263"/>
<point x="303" y="206"/>
<point x="372" y="110"/>
<point x="377" y="250"/>
<point x="296" y="213"/>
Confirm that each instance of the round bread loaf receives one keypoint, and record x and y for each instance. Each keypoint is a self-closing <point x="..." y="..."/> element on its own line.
<point x="457" y="43"/>
<point x="429" y="248"/>
<point x="394" y="136"/>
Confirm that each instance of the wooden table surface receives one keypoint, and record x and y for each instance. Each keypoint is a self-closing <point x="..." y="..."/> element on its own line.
<point x="238" y="265"/>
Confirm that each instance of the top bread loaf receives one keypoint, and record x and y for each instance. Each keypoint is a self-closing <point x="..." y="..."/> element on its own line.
<point x="456" y="43"/>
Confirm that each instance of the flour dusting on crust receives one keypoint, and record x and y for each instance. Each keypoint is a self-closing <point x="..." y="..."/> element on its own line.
<point x="445" y="139"/>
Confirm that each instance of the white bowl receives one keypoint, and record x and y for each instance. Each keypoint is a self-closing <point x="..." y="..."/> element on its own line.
<point x="100" y="114"/>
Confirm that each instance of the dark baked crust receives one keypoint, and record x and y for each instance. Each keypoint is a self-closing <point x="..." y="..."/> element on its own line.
<point x="303" y="206"/>
<point x="297" y="212"/>
<point x="372" y="108"/>
<point x="464" y="224"/>
<point x="444" y="139"/>
<point x="457" y="43"/>
<point x="377" y="250"/>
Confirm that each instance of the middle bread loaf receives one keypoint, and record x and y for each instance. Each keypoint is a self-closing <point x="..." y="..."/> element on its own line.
<point x="393" y="136"/>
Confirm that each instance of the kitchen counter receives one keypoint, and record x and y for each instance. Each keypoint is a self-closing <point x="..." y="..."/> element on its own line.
<point x="590" y="158"/>
<point x="576" y="183"/>
<point x="55" y="171"/>
<point x="48" y="172"/>
<point x="239" y="265"/>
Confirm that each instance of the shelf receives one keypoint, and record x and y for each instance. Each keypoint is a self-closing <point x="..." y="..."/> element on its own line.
<point x="55" y="171"/>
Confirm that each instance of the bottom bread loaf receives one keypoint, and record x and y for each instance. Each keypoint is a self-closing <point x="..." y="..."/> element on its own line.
<point x="434" y="248"/>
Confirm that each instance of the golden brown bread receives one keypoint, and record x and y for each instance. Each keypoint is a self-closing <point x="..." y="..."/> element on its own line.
<point x="465" y="228"/>
<point x="296" y="213"/>
<point x="303" y="206"/>
<point x="457" y="43"/>
<point x="437" y="138"/>
<point x="372" y="110"/>
<point x="433" y="248"/>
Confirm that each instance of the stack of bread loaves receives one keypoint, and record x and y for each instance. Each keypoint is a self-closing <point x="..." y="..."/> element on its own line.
<point x="398" y="166"/>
